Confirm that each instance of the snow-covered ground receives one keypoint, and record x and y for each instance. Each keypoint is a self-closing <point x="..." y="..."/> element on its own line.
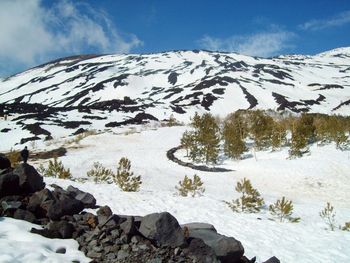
<point x="311" y="181"/>
<point x="17" y="245"/>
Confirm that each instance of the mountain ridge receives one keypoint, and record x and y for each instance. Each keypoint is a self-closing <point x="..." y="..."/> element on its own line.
<point x="127" y="88"/>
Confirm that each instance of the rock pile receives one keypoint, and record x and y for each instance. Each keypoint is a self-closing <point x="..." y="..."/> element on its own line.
<point x="107" y="237"/>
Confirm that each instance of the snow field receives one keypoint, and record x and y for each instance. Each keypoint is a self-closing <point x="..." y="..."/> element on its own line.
<point x="309" y="182"/>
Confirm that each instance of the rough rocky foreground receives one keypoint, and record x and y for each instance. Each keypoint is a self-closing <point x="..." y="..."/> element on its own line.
<point x="107" y="237"/>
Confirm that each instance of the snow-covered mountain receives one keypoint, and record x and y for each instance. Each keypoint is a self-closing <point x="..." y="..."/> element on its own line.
<point x="114" y="90"/>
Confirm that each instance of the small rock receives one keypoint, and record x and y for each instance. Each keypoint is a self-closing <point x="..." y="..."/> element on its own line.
<point x="122" y="254"/>
<point x="61" y="250"/>
<point x="93" y="254"/>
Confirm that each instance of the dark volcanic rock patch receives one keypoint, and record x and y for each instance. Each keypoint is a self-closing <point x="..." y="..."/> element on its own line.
<point x="317" y="101"/>
<point x="345" y="103"/>
<point x="36" y="129"/>
<point x="251" y="99"/>
<point x="172" y="78"/>
<point x="331" y="86"/>
<point x="219" y="91"/>
<point x="91" y="117"/>
<point x="74" y="124"/>
<point x="29" y="139"/>
<point x="5" y="130"/>
<point x="291" y="105"/>
<point x="138" y="119"/>
<point x="208" y="100"/>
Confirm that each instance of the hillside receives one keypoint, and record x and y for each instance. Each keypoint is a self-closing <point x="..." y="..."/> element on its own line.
<point x="113" y="90"/>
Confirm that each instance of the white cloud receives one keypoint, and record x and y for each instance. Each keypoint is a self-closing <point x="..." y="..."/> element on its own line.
<point x="319" y="24"/>
<point x="31" y="33"/>
<point x="263" y="44"/>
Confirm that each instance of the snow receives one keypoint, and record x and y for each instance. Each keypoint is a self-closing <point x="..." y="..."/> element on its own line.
<point x="18" y="245"/>
<point x="310" y="182"/>
<point x="152" y="70"/>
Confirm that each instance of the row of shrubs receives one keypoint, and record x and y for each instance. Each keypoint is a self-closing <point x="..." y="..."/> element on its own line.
<point x="124" y="178"/>
<point x="250" y="200"/>
<point x="210" y="136"/>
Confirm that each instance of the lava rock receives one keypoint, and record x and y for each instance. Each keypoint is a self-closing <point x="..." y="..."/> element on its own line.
<point x="65" y="206"/>
<point x="163" y="229"/>
<point x="129" y="227"/>
<point x="40" y="202"/>
<point x="9" y="184"/>
<point x="227" y="249"/>
<point x="61" y="250"/>
<point x="200" y="252"/>
<point x="87" y="199"/>
<point x="24" y="215"/>
<point x="30" y="180"/>
<point x="63" y="228"/>
<point x="4" y="162"/>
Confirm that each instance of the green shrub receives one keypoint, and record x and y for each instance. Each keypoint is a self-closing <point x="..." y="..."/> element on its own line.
<point x="346" y="227"/>
<point x="55" y="169"/>
<point x="234" y="133"/>
<point x="206" y="139"/>
<point x="191" y="186"/>
<point x="126" y="179"/>
<point x="187" y="141"/>
<point x="250" y="200"/>
<point x="278" y="136"/>
<point x="283" y="209"/>
<point x="261" y="126"/>
<point x="14" y="157"/>
<point x="328" y="215"/>
<point x="100" y="173"/>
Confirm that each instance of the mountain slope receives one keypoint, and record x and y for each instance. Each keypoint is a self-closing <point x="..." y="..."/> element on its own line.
<point x="118" y="89"/>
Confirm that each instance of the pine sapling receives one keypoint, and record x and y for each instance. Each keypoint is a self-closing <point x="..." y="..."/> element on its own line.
<point x="100" y="174"/>
<point x="283" y="209"/>
<point x="56" y="169"/>
<point x="188" y="186"/>
<point x="250" y="200"/>
<point x="328" y="215"/>
<point x="346" y="227"/>
<point x="126" y="179"/>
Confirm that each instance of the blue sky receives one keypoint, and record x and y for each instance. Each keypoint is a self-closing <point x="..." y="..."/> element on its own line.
<point x="36" y="31"/>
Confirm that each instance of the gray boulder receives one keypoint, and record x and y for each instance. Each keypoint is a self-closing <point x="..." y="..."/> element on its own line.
<point x="129" y="227"/>
<point x="163" y="229"/>
<point x="30" y="180"/>
<point x="40" y="202"/>
<point x="63" y="228"/>
<point x="87" y="199"/>
<point x="198" y="251"/>
<point x="64" y="206"/>
<point x="227" y="249"/>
